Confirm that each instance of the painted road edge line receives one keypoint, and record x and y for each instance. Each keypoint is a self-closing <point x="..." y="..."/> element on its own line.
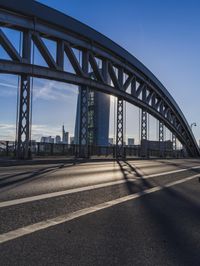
<point x="11" y="235"/>
<point x="9" y="203"/>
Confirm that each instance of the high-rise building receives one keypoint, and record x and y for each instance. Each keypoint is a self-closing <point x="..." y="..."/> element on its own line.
<point x="71" y="140"/>
<point x="65" y="136"/>
<point x="98" y="118"/>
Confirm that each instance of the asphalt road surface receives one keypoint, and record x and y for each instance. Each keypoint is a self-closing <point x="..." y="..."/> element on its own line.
<point x="101" y="213"/>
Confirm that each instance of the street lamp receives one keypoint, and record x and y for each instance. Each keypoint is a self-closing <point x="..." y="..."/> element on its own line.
<point x="193" y="124"/>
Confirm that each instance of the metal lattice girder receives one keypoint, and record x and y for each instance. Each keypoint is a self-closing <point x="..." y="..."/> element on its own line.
<point x="161" y="138"/>
<point x="23" y="139"/>
<point x="96" y="71"/>
<point x="84" y="116"/>
<point x="44" y="51"/>
<point x="114" y="77"/>
<point x="91" y="119"/>
<point x="72" y="58"/>
<point x="174" y="141"/>
<point x="8" y="47"/>
<point x="144" y="125"/>
<point x="120" y="129"/>
<point x="161" y="131"/>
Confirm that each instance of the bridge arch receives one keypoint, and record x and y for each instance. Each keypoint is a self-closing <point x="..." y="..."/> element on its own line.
<point x="115" y="71"/>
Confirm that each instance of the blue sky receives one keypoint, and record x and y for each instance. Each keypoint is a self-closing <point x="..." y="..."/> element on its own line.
<point x="164" y="35"/>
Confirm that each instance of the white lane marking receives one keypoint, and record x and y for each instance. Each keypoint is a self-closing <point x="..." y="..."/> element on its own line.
<point x="11" y="235"/>
<point x="172" y="172"/>
<point x="59" y="193"/>
<point x="82" y="189"/>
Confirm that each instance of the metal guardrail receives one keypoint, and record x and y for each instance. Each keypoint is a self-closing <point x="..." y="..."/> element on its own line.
<point x="38" y="149"/>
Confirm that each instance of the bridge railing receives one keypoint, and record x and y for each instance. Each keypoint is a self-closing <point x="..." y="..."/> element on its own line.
<point x="39" y="149"/>
<point x="7" y="148"/>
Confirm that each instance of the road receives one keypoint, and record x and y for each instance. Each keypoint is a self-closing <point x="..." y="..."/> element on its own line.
<point x="101" y="213"/>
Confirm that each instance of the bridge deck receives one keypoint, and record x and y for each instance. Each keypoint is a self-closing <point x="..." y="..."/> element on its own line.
<point x="96" y="213"/>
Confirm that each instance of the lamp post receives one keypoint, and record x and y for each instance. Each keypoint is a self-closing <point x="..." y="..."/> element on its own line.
<point x="193" y="124"/>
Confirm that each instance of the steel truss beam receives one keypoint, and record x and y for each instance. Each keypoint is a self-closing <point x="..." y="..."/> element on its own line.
<point x="119" y="78"/>
<point x="144" y="125"/>
<point x="120" y="129"/>
<point x="91" y="118"/>
<point x="174" y="141"/>
<point x="161" y="131"/>
<point x="83" y="134"/>
<point x="9" y="48"/>
<point x="23" y="140"/>
<point x="84" y="98"/>
<point x="35" y="23"/>
<point x="161" y="138"/>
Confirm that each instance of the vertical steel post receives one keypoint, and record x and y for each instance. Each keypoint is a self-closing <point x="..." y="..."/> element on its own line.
<point x="84" y="92"/>
<point x="120" y="120"/>
<point x="174" y="145"/>
<point x="120" y="130"/>
<point x="144" y="133"/>
<point x="84" y="116"/>
<point x="174" y="141"/>
<point x="161" y="138"/>
<point x="23" y="138"/>
<point x="144" y="125"/>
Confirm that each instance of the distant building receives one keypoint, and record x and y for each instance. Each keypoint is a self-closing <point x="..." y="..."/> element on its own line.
<point x="65" y="136"/>
<point x="43" y="139"/>
<point x="131" y="141"/>
<point x="71" y="140"/>
<point x="47" y="139"/>
<point x="50" y="139"/>
<point x="57" y="139"/>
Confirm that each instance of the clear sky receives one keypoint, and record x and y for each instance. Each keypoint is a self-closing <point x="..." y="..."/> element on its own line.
<point x="164" y="35"/>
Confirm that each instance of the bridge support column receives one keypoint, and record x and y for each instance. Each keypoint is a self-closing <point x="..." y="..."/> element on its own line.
<point x="174" y="144"/>
<point x="23" y="129"/>
<point x="161" y="138"/>
<point x="174" y="141"/>
<point x="120" y="129"/>
<point x="144" y="133"/>
<point x="83" y="134"/>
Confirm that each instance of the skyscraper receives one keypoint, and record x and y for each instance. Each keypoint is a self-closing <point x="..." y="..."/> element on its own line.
<point x="98" y="118"/>
<point x="65" y="136"/>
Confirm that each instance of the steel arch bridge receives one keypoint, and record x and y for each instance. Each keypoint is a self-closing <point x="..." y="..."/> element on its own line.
<point x="115" y="71"/>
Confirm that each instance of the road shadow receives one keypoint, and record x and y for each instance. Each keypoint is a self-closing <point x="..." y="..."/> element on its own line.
<point x="172" y="214"/>
<point x="175" y="217"/>
<point x="28" y="176"/>
<point x="133" y="186"/>
<point x="166" y="209"/>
